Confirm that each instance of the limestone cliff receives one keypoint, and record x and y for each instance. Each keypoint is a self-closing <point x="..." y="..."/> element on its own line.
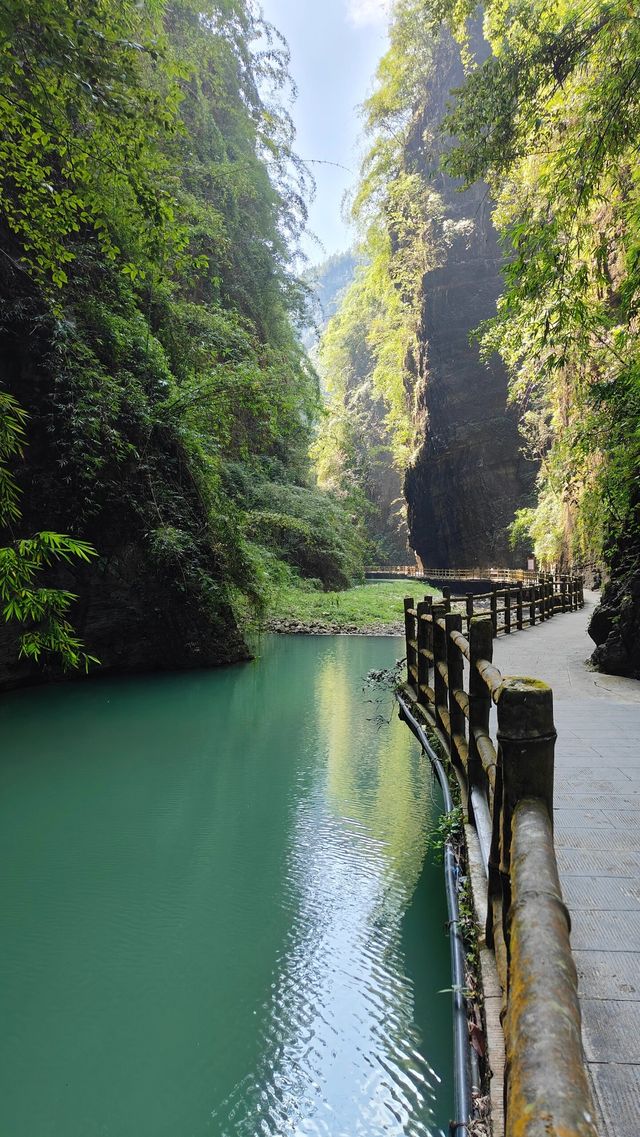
<point x="468" y="476"/>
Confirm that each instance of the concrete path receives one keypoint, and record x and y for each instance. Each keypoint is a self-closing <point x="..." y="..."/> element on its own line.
<point x="597" y="827"/>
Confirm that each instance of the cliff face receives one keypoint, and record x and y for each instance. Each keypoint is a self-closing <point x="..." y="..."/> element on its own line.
<point x="100" y="464"/>
<point x="382" y="483"/>
<point x="367" y="461"/>
<point x="468" y="476"/>
<point x="615" y="624"/>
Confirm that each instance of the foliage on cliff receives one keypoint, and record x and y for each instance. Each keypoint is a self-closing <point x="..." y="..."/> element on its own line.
<point x="328" y="282"/>
<point x="150" y="201"/>
<point x="374" y="353"/>
<point x="368" y="351"/>
<point x="397" y="212"/>
<point x="552" y="121"/>
<point x="353" y="452"/>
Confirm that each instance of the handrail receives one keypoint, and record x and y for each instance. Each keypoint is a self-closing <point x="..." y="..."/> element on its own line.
<point x="543" y="1014"/>
<point x="509" y="780"/>
<point x="492" y="573"/>
<point x="520" y="606"/>
<point x="516" y="607"/>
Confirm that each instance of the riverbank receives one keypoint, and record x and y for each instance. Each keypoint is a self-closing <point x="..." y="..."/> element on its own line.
<point x="373" y="609"/>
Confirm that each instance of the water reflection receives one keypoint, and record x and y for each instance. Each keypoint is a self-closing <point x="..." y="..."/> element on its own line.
<point x="344" y="1054"/>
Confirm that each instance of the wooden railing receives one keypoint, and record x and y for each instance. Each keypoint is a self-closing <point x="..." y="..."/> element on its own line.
<point x="520" y="606"/>
<point x="393" y="570"/>
<point x="506" y="780"/>
<point x="499" y="575"/>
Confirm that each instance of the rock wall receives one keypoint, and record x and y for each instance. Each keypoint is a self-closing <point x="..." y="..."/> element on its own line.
<point x="386" y="524"/>
<point x="468" y="476"/>
<point x="615" y="624"/>
<point x="371" y="465"/>
<point x="120" y="480"/>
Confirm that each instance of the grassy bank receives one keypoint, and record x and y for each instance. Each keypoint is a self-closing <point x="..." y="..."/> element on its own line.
<point x="372" y="607"/>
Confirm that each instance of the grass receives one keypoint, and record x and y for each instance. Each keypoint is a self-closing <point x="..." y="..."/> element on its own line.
<point x="365" y="606"/>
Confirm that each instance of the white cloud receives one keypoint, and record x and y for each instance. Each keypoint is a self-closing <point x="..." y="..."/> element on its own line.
<point x="363" y="13"/>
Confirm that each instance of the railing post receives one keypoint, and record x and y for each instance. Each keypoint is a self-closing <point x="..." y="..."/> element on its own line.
<point x="455" y="665"/>
<point x="439" y="658"/>
<point x="526" y="740"/>
<point x="480" y="647"/>
<point x="533" y="596"/>
<point x="423" y="659"/>
<point x="563" y="594"/>
<point x="507" y="610"/>
<point x="469" y="610"/>
<point x="446" y="598"/>
<point x="519" y="607"/>
<point x="409" y="627"/>
<point x="428" y="600"/>
<point x="581" y="592"/>
<point x="494" y="608"/>
<point x="543" y="601"/>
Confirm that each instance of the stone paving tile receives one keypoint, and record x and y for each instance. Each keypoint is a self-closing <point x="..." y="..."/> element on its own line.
<point x="632" y="774"/>
<point x="612" y="786"/>
<point x="575" y="861"/>
<point x="566" y="818"/>
<point x="601" y="893"/>
<point x="598" y="840"/>
<point x="623" y="818"/>
<point x="611" y="1030"/>
<point x="605" y="930"/>
<point x="566" y="798"/>
<point x="608" y="975"/>
<point x="617" y="1089"/>
<point x="586" y="779"/>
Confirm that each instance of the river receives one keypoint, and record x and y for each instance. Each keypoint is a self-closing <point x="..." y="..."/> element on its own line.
<point x="219" y="916"/>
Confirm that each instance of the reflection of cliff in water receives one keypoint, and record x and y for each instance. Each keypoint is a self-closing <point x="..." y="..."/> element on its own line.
<point x="388" y="790"/>
<point x="348" y="1053"/>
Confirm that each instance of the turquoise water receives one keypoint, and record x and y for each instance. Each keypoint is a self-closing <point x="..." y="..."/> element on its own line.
<point x="218" y="915"/>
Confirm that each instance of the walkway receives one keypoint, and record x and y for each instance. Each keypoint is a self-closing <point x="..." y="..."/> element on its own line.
<point x="597" y="825"/>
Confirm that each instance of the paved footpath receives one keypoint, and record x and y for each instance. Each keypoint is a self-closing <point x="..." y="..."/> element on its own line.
<point x="597" y="830"/>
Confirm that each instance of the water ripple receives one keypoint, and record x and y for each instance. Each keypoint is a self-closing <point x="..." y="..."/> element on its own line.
<point x="214" y="931"/>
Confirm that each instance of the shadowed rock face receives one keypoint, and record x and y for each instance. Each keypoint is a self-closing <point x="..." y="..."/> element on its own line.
<point x="135" y="611"/>
<point x="615" y="624"/>
<point x="469" y="475"/>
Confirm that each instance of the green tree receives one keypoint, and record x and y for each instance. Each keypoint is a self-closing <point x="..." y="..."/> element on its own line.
<point x="150" y="203"/>
<point x="39" y="610"/>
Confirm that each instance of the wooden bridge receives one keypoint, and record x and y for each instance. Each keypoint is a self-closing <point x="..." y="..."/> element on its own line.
<point x="499" y="736"/>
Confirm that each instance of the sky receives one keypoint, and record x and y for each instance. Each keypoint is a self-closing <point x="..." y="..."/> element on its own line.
<point x="335" y="47"/>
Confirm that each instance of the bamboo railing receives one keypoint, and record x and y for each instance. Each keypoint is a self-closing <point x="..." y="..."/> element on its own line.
<point x="506" y="778"/>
